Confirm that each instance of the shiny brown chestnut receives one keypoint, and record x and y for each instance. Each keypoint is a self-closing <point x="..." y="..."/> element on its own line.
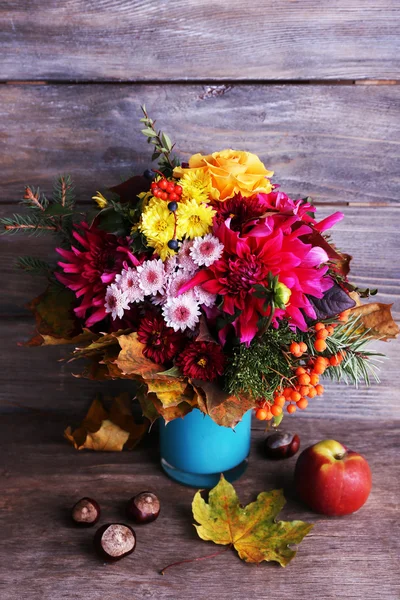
<point x="143" y="508"/>
<point x="114" y="541"/>
<point x="86" y="512"/>
<point x="281" y="445"/>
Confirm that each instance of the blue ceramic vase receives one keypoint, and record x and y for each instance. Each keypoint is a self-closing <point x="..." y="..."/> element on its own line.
<point x="195" y="450"/>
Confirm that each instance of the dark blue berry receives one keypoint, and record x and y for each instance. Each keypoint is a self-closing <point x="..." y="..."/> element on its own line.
<point x="172" y="206"/>
<point x="173" y="244"/>
<point x="149" y="174"/>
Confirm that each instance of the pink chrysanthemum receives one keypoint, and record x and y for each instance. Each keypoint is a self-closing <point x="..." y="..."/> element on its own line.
<point x="162" y="343"/>
<point x="203" y="297"/>
<point x="91" y="265"/>
<point x="202" y="360"/>
<point x="185" y="260"/>
<point x="175" y="282"/>
<point x="152" y="277"/>
<point x="181" y="313"/>
<point x="116" y="301"/>
<point x="128" y="282"/>
<point x="206" y="250"/>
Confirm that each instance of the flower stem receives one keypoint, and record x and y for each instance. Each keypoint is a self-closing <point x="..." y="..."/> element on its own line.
<point x="189" y="560"/>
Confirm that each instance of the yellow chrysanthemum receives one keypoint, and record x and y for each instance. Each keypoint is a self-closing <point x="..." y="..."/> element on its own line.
<point x="196" y="185"/>
<point x="194" y="219"/>
<point x="163" y="250"/>
<point x="157" y="223"/>
<point x="100" y="200"/>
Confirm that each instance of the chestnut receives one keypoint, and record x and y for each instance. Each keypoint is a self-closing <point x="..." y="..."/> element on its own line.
<point x="113" y="541"/>
<point x="86" y="512"/>
<point x="281" y="445"/>
<point x="143" y="508"/>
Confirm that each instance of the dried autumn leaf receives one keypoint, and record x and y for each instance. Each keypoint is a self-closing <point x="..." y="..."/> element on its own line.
<point x="105" y="431"/>
<point x="223" y="408"/>
<point x="131" y="360"/>
<point x="251" y="530"/>
<point x="377" y="317"/>
<point x="170" y="391"/>
<point x="109" y="438"/>
<point x="56" y="322"/>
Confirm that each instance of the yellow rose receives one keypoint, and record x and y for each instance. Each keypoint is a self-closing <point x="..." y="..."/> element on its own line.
<point x="231" y="171"/>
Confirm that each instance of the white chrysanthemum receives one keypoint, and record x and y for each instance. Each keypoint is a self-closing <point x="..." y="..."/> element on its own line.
<point x="128" y="282"/>
<point x="185" y="261"/>
<point x="204" y="297"/>
<point x="206" y="250"/>
<point x="175" y="282"/>
<point x="116" y="301"/>
<point x="181" y="313"/>
<point x="152" y="277"/>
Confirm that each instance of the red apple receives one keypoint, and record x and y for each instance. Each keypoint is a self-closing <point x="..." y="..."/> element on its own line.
<point x="331" y="479"/>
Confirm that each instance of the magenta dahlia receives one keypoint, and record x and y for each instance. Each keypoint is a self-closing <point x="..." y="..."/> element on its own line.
<point x="202" y="360"/>
<point x="161" y="342"/>
<point x="247" y="261"/>
<point x="91" y="265"/>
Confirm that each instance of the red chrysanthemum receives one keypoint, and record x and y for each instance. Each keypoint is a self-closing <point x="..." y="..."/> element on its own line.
<point x="240" y="210"/>
<point x="161" y="342"/>
<point x="91" y="267"/>
<point x="202" y="360"/>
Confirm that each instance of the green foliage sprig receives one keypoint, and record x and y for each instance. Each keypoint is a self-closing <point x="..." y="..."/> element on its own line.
<point x="54" y="216"/>
<point x="162" y="145"/>
<point x="350" y="339"/>
<point x="257" y="370"/>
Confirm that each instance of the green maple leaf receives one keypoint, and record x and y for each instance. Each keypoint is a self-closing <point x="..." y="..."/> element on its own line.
<point x="251" y="530"/>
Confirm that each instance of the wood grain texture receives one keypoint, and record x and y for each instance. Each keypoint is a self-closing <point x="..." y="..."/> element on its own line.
<point x="188" y="40"/>
<point x="353" y="557"/>
<point x="336" y="143"/>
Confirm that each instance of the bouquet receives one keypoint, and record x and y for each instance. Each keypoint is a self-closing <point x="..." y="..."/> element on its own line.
<point x="204" y="283"/>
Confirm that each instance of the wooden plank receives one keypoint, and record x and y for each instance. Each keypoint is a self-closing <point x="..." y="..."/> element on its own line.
<point x="370" y="234"/>
<point x="44" y="557"/>
<point x="189" y="40"/>
<point x="32" y="378"/>
<point x="336" y="143"/>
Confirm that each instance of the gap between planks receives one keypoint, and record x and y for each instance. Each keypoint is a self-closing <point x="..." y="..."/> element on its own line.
<point x="212" y="82"/>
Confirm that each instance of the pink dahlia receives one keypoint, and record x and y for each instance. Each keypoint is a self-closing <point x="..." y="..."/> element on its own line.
<point x="91" y="266"/>
<point x="202" y="360"/>
<point x="162" y="343"/>
<point x="247" y="261"/>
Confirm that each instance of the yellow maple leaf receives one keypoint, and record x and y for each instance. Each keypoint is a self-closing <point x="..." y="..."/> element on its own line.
<point x="252" y="529"/>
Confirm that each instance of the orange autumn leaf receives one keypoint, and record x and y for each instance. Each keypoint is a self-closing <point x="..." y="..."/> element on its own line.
<point x="225" y="409"/>
<point x="377" y="317"/>
<point x="107" y="431"/>
<point x="131" y="360"/>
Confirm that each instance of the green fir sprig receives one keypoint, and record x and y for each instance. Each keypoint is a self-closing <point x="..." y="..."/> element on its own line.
<point x="259" y="369"/>
<point x="350" y="340"/>
<point x="34" y="266"/>
<point x="45" y="216"/>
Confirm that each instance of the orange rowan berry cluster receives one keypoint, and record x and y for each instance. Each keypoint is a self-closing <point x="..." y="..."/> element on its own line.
<point x="305" y="384"/>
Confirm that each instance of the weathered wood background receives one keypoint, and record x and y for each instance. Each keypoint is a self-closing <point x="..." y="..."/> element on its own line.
<point x="312" y="87"/>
